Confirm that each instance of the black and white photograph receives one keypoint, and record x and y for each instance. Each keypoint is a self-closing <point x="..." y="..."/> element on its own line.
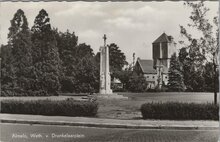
<point x="130" y="71"/>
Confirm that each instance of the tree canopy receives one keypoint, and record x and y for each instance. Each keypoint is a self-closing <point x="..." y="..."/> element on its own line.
<point x="45" y="54"/>
<point x="201" y="51"/>
<point x="16" y="56"/>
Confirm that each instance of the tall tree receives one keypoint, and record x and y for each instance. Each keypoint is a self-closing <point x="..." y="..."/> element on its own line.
<point x="185" y="65"/>
<point x="19" y="64"/>
<point x="86" y="75"/>
<point x="83" y="50"/>
<point x="45" y="54"/>
<point x="7" y="71"/>
<point x="175" y="81"/>
<point x="67" y="43"/>
<point x="117" y="58"/>
<point x="86" y="69"/>
<point x="207" y="44"/>
<point x="192" y="71"/>
<point x="79" y="70"/>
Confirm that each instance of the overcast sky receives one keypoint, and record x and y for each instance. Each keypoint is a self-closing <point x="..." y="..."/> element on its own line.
<point x="133" y="26"/>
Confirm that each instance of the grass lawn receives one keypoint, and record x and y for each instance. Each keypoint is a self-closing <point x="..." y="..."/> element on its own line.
<point x="129" y="109"/>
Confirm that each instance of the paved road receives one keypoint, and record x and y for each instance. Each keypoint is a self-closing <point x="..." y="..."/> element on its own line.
<point x="48" y="133"/>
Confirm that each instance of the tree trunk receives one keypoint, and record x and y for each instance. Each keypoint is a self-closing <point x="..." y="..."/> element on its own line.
<point x="215" y="97"/>
<point x="215" y="83"/>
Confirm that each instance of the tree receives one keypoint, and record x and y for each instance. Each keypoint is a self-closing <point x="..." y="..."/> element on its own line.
<point x="137" y="83"/>
<point x="175" y="81"/>
<point x="117" y="58"/>
<point x="17" y="59"/>
<point x="79" y="70"/>
<point x="86" y="75"/>
<point x="207" y="44"/>
<point x="45" y="55"/>
<point x="83" y="50"/>
<point x="86" y="70"/>
<point x="192" y="73"/>
<point x="185" y="63"/>
<point x="124" y="76"/>
<point x="67" y="43"/>
<point x="7" y="71"/>
<point x="208" y="78"/>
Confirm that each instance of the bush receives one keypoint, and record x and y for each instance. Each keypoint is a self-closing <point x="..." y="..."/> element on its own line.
<point x="180" y="111"/>
<point x="68" y="107"/>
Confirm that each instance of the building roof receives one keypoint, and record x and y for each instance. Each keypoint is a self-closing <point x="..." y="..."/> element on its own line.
<point x="146" y="66"/>
<point x="163" y="38"/>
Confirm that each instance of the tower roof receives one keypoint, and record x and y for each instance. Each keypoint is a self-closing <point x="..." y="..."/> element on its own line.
<point x="163" y="38"/>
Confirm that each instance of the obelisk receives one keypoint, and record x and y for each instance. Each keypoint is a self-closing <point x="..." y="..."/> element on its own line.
<point x="105" y="79"/>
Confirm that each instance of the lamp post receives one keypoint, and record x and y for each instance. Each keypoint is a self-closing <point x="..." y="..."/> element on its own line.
<point x="0" y="76"/>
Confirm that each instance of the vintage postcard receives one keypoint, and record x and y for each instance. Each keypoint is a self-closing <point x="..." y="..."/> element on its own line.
<point x="130" y="71"/>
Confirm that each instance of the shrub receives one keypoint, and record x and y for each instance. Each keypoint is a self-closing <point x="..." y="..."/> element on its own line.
<point x="68" y="107"/>
<point x="180" y="111"/>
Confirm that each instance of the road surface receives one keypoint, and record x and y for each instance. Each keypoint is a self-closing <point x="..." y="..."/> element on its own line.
<point x="49" y="133"/>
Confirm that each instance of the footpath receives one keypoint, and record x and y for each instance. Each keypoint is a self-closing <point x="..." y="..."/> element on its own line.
<point x="108" y="123"/>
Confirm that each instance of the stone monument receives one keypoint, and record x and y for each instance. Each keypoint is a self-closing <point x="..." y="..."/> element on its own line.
<point x="105" y="79"/>
<point x="105" y="90"/>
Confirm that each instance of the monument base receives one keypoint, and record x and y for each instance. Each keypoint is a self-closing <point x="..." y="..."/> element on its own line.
<point x="110" y="96"/>
<point x="102" y="91"/>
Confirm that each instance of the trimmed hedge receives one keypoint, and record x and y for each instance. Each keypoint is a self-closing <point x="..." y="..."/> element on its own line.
<point x="21" y="93"/>
<point x="180" y="111"/>
<point x="68" y="107"/>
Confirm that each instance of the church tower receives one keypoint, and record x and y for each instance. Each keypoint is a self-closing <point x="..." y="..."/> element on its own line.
<point x="163" y="48"/>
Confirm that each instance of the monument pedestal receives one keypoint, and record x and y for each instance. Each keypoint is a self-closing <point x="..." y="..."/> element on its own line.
<point x="103" y="91"/>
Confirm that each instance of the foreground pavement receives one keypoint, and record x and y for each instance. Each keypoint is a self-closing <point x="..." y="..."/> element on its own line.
<point x="56" y="133"/>
<point x="108" y="123"/>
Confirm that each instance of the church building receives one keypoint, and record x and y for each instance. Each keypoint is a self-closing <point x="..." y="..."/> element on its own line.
<point x="156" y="70"/>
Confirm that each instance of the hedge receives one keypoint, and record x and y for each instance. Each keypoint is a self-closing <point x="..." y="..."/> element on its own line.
<point x="180" y="111"/>
<point x="68" y="107"/>
<point x="21" y="93"/>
